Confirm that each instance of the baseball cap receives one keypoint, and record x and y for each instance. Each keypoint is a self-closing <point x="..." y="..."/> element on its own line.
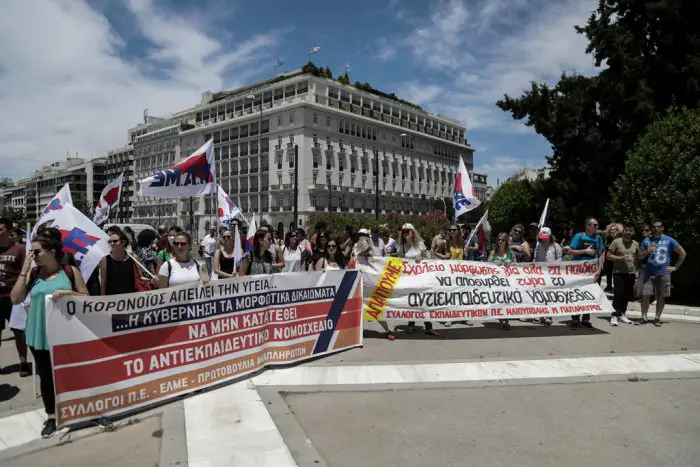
<point x="408" y="226"/>
<point x="545" y="233"/>
<point x="363" y="232"/>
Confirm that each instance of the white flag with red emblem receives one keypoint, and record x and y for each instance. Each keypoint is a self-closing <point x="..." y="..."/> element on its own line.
<point x="108" y="199"/>
<point x="226" y="208"/>
<point x="81" y="237"/>
<point x="195" y="176"/>
<point x="464" y="199"/>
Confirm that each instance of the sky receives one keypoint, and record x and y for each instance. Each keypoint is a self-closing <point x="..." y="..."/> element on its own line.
<point x="76" y="74"/>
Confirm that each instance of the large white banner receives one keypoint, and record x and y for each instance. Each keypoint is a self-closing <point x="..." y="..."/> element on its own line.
<point x="113" y="354"/>
<point x="195" y="176"/>
<point x="397" y="289"/>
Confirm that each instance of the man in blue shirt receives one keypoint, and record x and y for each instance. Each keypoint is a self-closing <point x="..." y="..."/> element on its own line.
<point x="585" y="246"/>
<point x="657" y="275"/>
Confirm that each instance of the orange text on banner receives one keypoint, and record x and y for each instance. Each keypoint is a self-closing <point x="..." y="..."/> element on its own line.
<point x="385" y="286"/>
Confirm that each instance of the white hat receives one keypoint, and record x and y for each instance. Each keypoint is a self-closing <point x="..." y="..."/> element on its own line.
<point x="545" y="233"/>
<point x="363" y="232"/>
<point x="408" y="226"/>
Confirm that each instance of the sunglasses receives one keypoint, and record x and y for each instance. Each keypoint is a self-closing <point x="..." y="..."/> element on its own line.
<point x="658" y="226"/>
<point x="180" y="243"/>
<point x="501" y="241"/>
<point x="36" y="252"/>
<point x="113" y="242"/>
<point x="332" y="246"/>
<point x="518" y="231"/>
<point x="454" y="230"/>
<point x="323" y="237"/>
<point x="593" y="225"/>
<point x="406" y="232"/>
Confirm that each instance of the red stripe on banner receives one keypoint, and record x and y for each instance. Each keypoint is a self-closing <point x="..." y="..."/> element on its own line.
<point x="106" y="372"/>
<point x="149" y="338"/>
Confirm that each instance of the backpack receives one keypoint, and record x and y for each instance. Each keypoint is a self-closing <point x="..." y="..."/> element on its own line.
<point x="67" y="268"/>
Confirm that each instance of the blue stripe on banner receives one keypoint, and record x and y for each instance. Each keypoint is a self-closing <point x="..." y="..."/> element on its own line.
<point x="341" y="296"/>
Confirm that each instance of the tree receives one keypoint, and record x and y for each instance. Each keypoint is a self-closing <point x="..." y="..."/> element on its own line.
<point x="344" y="78"/>
<point x="661" y="182"/>
<point x="329" y="73"/>
<point x="511" y="203"/>
<point x="651" y="54"/>
<point x="81" y="204"/>
<point x="15" y="215"/>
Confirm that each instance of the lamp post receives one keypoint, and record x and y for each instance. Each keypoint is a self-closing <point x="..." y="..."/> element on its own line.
<point x="296" y="185"/>
<point x="376" y="184"/>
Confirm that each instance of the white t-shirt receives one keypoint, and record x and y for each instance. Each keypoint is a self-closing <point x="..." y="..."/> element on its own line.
<point x="292" y="260"/>
<point x="415" y="252"/>
<point x="181" y="273"/>
<point x="378" y="250"/>
<point x="209" y="244"/>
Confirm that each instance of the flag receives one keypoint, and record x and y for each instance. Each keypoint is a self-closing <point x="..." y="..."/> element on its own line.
<point x="482" y="231"/>
<point x="226" y="208"/>
<point x="237" y="248"/>
<point x="251" y="234"/>
<point x="81" y="237"/>
<point x="279" y="62"/>
<point x="464" y="199"/>
<point x="108" y="199"/>
<point x="347" y="68"/>
<point x="314" y="49"/>
<point x="195" y="176"/>
<point x="62" y="199"/>
<point x="543" y="217"/>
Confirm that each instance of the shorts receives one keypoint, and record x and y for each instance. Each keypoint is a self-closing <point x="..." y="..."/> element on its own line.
<point x="657" y="286"/>
<point x="5" y="311"/>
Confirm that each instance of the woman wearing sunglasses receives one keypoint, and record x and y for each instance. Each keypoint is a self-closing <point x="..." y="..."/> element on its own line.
<point x="181" y="268"/>
<point x="333" y="258"/>
<point x="411" y="246"/>
<point x="503" y="256"/>
<point x="224" y="260"/>
<point x="48" y="278"/>
<point x="259" y="261"/>
<point x="318" y="258"/>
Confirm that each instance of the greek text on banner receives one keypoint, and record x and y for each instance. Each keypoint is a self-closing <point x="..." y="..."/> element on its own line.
<point x="398" y="289"/>
<point x="113" y="354"/>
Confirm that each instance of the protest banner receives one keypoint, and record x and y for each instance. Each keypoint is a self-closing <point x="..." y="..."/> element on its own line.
<point x="117" y="353"/>
<point x="397" y="289"/>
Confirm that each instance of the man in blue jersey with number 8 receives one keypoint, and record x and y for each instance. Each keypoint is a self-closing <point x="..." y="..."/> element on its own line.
<point x="657" y="276"/>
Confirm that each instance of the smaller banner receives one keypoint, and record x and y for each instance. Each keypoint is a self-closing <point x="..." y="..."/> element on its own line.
<point x="116" y="353"/>
<point x="192" y="177"/>
<point x="226" y="208"/>
<point x="397" y="289"/>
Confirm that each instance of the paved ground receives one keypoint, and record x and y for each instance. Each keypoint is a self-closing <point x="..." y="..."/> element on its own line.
<point x="633" y="423"/>
<point x="621" y="422"/>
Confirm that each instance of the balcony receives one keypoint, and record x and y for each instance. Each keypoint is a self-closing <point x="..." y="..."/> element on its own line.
<point x="290" y="145"/>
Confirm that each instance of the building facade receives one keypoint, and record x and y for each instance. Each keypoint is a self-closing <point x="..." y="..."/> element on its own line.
<point x="343" y="137"/>
<point x="121" y="160"/>
<point x="531" y="174"/>
<point x="480" y="186"/>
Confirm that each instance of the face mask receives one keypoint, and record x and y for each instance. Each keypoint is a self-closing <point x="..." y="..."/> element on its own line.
<point x="171" y="240"/>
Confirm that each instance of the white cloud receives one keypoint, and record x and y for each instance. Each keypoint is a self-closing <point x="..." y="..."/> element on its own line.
<point x="65" y="83"/>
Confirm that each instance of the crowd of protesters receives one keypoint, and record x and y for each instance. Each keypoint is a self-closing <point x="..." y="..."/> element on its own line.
<point x="147" y="261"/>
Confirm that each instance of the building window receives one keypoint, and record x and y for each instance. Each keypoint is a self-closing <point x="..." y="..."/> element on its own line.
<point x="291" y="117"/>
<point x="328" y="121"/>
<point x="291" y="139"/>
<point x="314" y="119"/>
<point x="279" y="120"/>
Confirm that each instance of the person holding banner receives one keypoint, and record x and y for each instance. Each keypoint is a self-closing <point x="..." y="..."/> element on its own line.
<point x="503" y="255"/>
<point x="546" y="251"/>
<point x="119" y="273"/>
<point x="224" y="257"/>
<point x="411" y="246"/>
<point x="585" y="246"/>
<point x="518" y="245"/>
<point x="181" y="268"/>
<point x="48" y="278"/>
<point x="259" y="260"/>
<point x="292" y="253"/>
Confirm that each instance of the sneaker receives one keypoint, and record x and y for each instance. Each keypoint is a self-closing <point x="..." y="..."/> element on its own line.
<point x="548" y="321"/>
<point x="49" y="428"/>
<point x="613" y="321"/>
<point x="506" y="326"/>
<point x="24" y="370"/>
<point x="643" y="320"/>
<point x="587" y="324"/>
<point x="625" y="320"/>
<point x="657" y="322"/>
<point x="447" y="324"/>
<point x="575" y="324"/>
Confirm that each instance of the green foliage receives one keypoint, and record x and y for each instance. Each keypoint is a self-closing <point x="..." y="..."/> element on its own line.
<point x="651" y="53"/>
<point x="344" y="79"/>
<point x="661" y="181"/>
<point x="81" y="204"/>
<point x="15" y="215"/>
<point x="328" y="74"/>
<point x="511" y="203"/>
<point x="428" y="225"/>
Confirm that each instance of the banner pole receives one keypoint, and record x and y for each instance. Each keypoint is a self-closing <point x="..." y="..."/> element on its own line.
<point x="131" y="255"/>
